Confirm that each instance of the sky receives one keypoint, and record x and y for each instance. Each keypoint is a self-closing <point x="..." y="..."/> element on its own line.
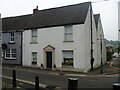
<point x="107" y="9"/>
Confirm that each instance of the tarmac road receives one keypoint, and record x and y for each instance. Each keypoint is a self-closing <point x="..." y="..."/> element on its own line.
<point x="61" y="80"/>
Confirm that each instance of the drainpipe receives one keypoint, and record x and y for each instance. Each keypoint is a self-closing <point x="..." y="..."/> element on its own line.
<point x="21" y="46"/>
<point x="92" y="59"/>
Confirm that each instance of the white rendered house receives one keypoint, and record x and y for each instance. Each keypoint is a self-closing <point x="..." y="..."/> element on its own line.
<point x="61" y="37"/>
<point x="101" y="46"/>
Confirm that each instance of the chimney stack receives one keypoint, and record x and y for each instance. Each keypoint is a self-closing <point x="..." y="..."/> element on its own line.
<point x="35" y="10"/>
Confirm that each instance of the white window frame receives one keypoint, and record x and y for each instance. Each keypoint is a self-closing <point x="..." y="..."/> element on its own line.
<point x="11" y="54"/>
<point x="2" y="54"/>
<point x="68" y="32"/>
<point x="33" y="37"/>
<point x="33" y="56"/>
<point x="67" y="59"/>
<point x="12" y="37"/>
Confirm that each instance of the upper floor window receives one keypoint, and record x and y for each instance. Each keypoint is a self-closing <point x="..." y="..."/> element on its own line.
<point x="12" y="37"/>
<point x="34" y="35"/>
<point x="68" y="33"/>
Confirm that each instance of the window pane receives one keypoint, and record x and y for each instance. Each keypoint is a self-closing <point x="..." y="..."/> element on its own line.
<point x="2" y="53"/>
<point x="34" y="32"/>
<point x="34" y="39"/>
<point x="67" y="58"/>
<point x="7" y="53"/>
<point x="34" y="35"/>
<point x="68" y="37"/>
<point x="34" y="56"/>
<point x="12" y="39"/>
<point x="11" y="36"/>
<point x="13" y="50"/>
<point x="68" y="29"/>
<point x="68" y="62"/>
<point x="68" y="54"/>
<point x="13" y="55"/>
<point x="68" y="33"/>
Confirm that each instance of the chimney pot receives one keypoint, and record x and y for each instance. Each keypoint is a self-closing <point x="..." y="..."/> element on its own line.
<point x="35" y="10"/>
<point x="36" y="7"/>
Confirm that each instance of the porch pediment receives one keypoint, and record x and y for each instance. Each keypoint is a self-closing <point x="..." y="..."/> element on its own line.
<point x="49" y="47"/>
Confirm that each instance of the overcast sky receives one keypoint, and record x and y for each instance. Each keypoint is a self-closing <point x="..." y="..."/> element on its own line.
<point x="107" y="9"/>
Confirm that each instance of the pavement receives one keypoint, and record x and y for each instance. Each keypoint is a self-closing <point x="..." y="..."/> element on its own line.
<point x="109" y="69"/>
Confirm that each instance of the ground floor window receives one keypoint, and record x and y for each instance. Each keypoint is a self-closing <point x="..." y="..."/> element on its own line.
<point x="34" y="57"/>
<point x="10" y="54"/>
<point x="67" y="58"/>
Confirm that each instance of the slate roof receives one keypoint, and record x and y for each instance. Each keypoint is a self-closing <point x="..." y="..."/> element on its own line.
<point x="15" y="23"/>
<point x="71" y="14"/>
<point x="96" y="16"/>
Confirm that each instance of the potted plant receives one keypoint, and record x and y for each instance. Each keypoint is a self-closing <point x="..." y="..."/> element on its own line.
<point x="54" y="66"/>
<point x="34" y="62"/>
<point x="42" y="66"/>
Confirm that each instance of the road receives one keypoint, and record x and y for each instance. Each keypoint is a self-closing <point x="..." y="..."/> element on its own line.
<point x="61" y="80"/>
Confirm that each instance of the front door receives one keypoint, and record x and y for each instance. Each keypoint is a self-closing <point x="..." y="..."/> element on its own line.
<point x="49" y="59"/>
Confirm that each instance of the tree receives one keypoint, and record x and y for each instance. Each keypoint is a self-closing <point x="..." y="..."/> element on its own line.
<point x="118" y="47"/>
<point x="110" y="54"/>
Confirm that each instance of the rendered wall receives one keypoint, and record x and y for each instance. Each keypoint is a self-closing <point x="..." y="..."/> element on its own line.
<point x="16" y="45"/>
<point x="54" y="37"/>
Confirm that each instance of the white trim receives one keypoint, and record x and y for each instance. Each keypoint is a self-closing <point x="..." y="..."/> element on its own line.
<point x="68" y="32"/>
<point x="12" y="37"/>
<point x="34" y="36"/>
<point x="10" y="54"/>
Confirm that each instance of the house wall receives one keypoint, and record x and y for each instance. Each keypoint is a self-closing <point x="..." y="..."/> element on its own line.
<point x="54" y="36"/>
<point x="99" y="42"/>
<point x="0" y="53"/>
<point x="88" y="41"/>
<point x="16" y="45"/>
<point x="100" y="30"/>
<point x="119" y="21"/>
<point x="95" y="50"/>
<point x="0" y="38"/>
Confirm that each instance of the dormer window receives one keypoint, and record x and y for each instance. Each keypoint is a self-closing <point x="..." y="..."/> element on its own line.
<point x="12" y="37"/>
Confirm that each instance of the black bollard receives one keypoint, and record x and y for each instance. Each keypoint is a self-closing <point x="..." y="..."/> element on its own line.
<point x="72" y="83"/>
<point x="36" y="83"/>
<point x="116" y="86"/>
<point x="14" y="79"/>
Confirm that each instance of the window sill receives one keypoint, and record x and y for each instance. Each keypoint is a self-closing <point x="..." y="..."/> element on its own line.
<point x="65" y="66"/>
<point x="33" y="42"/>
<point x="68" y="41"/>
<point x="11" y="43"/>
<point x="34" y="64"/>
<point x="10" y="59"/>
